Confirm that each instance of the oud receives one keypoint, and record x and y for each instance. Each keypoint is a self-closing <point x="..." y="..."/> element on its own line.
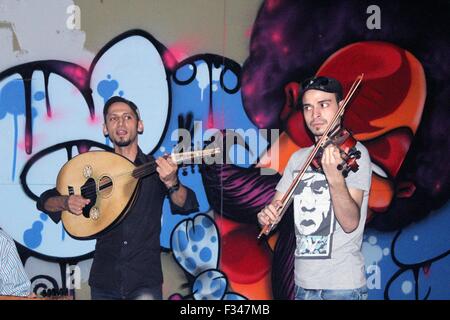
<point x="110" y="182"/>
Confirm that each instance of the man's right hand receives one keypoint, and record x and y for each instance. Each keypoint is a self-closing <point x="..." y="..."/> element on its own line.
<point x="270" y="213"/>
<point x="75" y="204"/>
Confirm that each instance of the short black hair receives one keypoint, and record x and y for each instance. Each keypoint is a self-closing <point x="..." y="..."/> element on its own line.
<point x="120" y="99"/>
<point x="321" y="83"/>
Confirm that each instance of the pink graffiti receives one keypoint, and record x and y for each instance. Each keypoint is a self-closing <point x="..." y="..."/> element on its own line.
<point x="94" y="120"/>
<point x="22" y="145"/>
<point x="53" y="114"/>
<point x="272" y="4"/>
<point x="76" y="74"/>
<point x="179" y="51"/>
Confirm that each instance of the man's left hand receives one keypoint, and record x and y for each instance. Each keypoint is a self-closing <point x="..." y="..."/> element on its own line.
<point x="167" y="170"/>
<point x="331" y="158"/>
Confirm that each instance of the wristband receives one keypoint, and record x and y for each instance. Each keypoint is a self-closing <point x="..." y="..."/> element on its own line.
<point x="66" y="203"/>
<point x="174" y="188"/>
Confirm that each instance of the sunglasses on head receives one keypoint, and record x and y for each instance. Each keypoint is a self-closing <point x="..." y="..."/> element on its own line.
<point x="314" y="82"/>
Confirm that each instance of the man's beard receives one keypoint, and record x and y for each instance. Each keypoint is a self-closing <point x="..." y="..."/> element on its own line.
<point x="317" y="133"/>
<point x="122" y="143"/>
<point x="321" y="131"/>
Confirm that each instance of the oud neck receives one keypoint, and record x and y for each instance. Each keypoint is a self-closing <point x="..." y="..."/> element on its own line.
<point x="179" y="158"/>
<point x="144" y="170"/>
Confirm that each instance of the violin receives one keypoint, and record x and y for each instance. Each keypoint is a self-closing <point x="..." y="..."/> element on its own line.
<point x="341" y="139"/>
<point x="345" y="143"/>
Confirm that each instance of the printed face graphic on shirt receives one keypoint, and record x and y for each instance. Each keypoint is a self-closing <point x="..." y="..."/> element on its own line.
<point x="313" y="216"/>
<point x="313" y="205"/>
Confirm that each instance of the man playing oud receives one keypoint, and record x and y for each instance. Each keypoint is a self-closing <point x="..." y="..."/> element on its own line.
<point x="127" y="263"/>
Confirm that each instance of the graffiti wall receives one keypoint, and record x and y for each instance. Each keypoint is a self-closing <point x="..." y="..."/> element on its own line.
<point x="51" y="99"/>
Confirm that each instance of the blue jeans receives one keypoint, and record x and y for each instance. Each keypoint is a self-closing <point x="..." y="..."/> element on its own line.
<point x="154" y="293"/>
<point x="325" y="294"/>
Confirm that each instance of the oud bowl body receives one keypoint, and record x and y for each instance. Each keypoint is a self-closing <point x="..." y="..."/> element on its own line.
<point x="114" y="190"/>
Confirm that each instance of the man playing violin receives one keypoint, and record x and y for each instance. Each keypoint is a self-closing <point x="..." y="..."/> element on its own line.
<point x="127" y="262"/>
<point x="329" y="209"/>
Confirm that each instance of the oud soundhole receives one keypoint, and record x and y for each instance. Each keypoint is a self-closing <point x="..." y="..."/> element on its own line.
<point x="105" y="186"/>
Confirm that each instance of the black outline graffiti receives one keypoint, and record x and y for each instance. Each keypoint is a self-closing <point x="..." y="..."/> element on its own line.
<point x="48" y="67"/>
<point x="162" y="50"/>
<point x="68" y="145"/>
<point x="81" y="80"/>
<point x="189" y="276"/>
<point x="211" y="60"/>
<point x="415" y="268"/>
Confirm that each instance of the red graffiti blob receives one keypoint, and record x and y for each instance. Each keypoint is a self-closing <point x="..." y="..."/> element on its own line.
<point x="239" y="254"/>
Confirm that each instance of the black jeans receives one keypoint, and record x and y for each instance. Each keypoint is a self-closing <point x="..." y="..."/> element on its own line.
<point x="143" y="293"/>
